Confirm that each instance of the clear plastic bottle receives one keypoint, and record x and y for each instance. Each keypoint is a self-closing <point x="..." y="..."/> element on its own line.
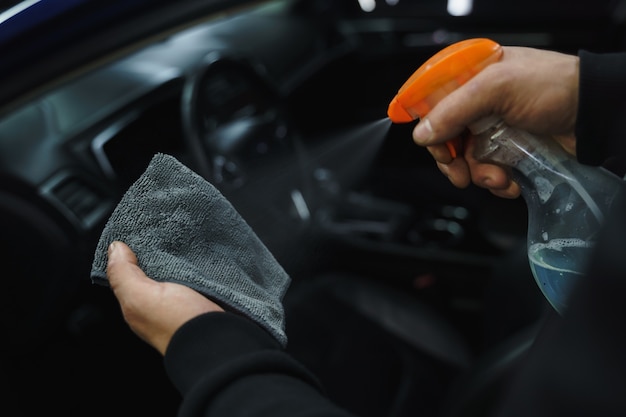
<point x="567" y="201"/>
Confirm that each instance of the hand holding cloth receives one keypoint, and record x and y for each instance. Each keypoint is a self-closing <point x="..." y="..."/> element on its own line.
<point x="183" y="230"/>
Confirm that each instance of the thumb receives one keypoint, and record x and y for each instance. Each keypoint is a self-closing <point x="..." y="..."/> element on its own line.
<point x="122" y="266"/>
<point x="451" y="116"/>
<point x="447" y="121"/>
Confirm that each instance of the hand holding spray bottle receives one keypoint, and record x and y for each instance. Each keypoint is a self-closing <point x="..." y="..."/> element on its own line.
<point x="566" y="201"/>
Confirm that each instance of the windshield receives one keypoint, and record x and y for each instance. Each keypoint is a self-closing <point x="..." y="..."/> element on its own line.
<point x="42" y="39"/>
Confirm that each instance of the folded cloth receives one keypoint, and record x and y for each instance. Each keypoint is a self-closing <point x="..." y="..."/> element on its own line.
<point x="183" y="230"/>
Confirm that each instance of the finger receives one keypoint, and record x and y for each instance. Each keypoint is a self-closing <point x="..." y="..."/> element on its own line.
<point x="457" y="172"/>
<point x="567" y="142"/>
<point x="511" y="192"/>
<point x="122" y="266"/>
<point x="447" y="151"/>
<point x="440" y="153"/>
<point x="485" y="174"/>
<point x="494" y="178"/>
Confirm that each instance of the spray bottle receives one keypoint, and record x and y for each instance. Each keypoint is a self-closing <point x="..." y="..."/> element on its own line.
<point x="566" y="201"/>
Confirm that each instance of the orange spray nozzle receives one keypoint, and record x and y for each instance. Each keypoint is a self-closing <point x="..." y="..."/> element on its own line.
<point x="443" y="73"/>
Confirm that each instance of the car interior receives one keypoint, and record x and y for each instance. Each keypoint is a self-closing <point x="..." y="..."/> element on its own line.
<point x="408" y="296"/>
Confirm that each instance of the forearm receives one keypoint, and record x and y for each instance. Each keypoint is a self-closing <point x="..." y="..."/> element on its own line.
<point x="601" y="118"/>
<point x="225" y="365"/>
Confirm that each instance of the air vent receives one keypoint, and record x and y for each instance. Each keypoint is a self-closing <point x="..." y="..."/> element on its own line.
<point x="78" y="199"/>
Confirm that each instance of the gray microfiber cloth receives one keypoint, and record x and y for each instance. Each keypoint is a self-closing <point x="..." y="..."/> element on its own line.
<point x="183" y="230"/>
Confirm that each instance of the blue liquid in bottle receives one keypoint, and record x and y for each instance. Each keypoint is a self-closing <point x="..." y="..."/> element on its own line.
<point x="556" y="267"/>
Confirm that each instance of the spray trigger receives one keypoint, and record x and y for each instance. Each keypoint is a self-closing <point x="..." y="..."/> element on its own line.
<point x="438" y="76"/>
<point x="452" y="146"/>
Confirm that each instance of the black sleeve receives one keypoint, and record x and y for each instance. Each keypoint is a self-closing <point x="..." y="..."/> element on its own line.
<point x="601" y="120"/>
<point x="226" y="366"/>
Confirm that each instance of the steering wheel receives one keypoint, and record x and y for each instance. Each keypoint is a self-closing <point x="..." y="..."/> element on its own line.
<point x="233" y="120"/>
<point x="237" y="130"/>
